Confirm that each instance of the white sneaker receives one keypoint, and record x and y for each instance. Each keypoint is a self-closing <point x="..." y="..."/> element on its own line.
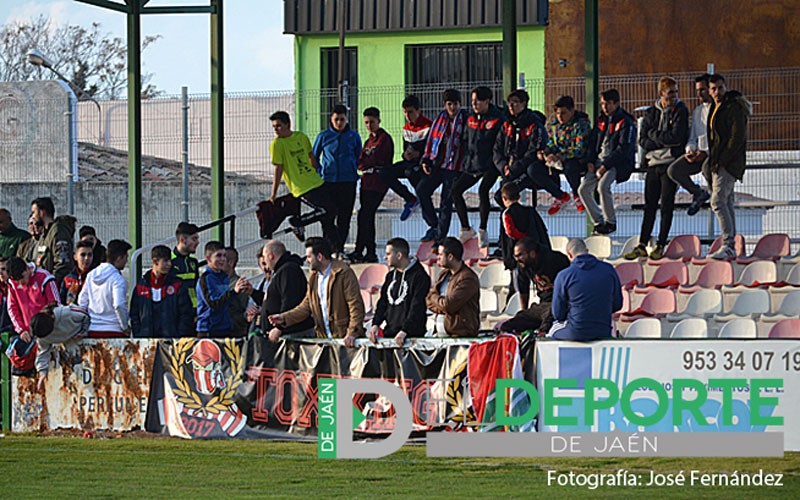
<point x="724" y="253"/>
<point x="466" y="235"/>
<point x="483" y="238"/>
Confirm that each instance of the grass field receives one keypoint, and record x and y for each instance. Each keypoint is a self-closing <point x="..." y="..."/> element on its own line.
<point x="135" y="467"/>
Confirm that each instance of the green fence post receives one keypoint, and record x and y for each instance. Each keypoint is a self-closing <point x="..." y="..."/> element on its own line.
<point x="5" y="384"/>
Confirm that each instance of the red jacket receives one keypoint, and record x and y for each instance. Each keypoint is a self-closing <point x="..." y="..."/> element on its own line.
<point x="378" y="152"/>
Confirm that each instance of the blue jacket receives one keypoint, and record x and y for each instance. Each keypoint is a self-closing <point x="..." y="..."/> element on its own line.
<point x="586" y="294"/>
<point x="337" y="154"/>
<point x="213" y="296"/>
<point x="171" y="317"/>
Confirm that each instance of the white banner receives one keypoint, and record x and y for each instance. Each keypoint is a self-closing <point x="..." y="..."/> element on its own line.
<point x="90" y="385"/>
<point x="740" y="363"/>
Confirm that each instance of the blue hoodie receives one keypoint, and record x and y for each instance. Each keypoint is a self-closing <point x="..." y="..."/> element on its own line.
<point x="586" y="294"/>
<point x="337" y="154"/>
<point x="213" y="296"/>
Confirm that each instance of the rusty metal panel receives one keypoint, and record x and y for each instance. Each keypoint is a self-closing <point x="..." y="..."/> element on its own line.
<point x="90" y="385"/>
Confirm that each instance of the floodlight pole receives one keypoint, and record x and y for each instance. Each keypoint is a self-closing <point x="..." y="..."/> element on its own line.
<point x="591" y="42"/>
<point x="134" y="33"/>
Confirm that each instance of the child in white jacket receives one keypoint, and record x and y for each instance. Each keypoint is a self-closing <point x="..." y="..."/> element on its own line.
<point x="105" y="294"/>
<point x="56" y="324"/>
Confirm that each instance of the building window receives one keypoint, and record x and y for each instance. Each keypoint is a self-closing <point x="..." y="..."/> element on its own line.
<point x="329" y="58"/>
<point x="433" y="68"/>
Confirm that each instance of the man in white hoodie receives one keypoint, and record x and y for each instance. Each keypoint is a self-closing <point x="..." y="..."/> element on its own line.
<point x="105" y="294"/>
<point x="56" y="324"/>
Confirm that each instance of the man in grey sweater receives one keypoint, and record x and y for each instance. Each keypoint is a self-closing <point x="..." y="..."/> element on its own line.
<point x="56" y="324"/>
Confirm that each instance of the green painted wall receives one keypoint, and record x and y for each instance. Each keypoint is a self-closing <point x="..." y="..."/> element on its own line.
<point x="381" y="69"/>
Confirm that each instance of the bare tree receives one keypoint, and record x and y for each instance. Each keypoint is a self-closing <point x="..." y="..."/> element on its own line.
<point x="93" y="59"/>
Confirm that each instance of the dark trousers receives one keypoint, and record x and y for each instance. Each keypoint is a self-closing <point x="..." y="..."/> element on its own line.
<point x="681" y="172"/>
<point x="365" y="240"/>
<point x="401" y="170"/>
<point x="657" y="186"/>
<point x="540" y="175"/>
<point x="536" y="317"/>
<point x="574" y="169"/>
<point x="425" y="189"/>
<point x="320" y="197"/>
<point x="343" y="197"/>
<point x="466" y="181"/>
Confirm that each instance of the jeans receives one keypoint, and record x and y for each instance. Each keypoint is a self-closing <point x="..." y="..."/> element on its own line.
<point x="680" y="171"/>
<point x="402" y="170"/>
<point x="425" y="189"/>
<point x="722" y="184"/>
<point x="657" y="186"/>
<point x="466" y="181"/>
<point x="602" y="185"/>
<point x="370" y="201"/>
<point x="343" y="198"/>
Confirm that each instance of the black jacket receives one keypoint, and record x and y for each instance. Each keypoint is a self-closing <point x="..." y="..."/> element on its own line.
<point x="621" y="131"/>
<point x="402" y="302"/>
<point x="480" y="135"/>
<point x="665" y="128"/>
<point x="543" y="274"/>
<point x="727" y="140"/>
<point x="519" y="221"/>
<point x="172" y="317"/>
<point x="518" y="142"/>
<point x="285" y="291"/>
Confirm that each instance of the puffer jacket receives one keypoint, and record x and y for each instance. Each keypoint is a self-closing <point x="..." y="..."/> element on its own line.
<point x="517" y="144"/>
<point x="161" y="309"/>
<point x="727" y="139"/>
<point x="620" y="129"/>
<point x="569" y="140"/>
<point x="480" y="135"/>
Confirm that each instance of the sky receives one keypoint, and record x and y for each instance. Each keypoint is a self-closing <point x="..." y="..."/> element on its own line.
<point x="258" y="56"/>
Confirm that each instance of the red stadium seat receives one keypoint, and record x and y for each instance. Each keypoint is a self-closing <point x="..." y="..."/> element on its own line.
<point x="712" y="275"/>
<point x="630" y="274"/>
<point x="786" y="329"/>
<point x="372" y="276"/>
<point x="683" y="248"/>
<point x="769" y="247"/>
<point x="669" y="275"/>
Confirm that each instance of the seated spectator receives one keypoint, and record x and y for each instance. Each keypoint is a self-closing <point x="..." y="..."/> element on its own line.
<point x="401" y="310"/>
<point x="30" y="289"/>
<point x="586" y="294"/>
<point x="11" y="237"/>
<point x="541" y="265"/>
<point x="214" y="294"/>
<point x="73" y="282"/>
<point x="27" y="249"/>
<point x="53" y="251"/>
<point x="105" y="294"/>
<point x="56" y="324"/>
<point x="161" y="306"/>
<point x="87" y="233"/>
<point x="240" y="305"/>
<point x="286" y="290"/>
<point x="456" y="293"/>
<point x="333" y="297"/>
<point x="519" y="221"/>
<point x="568" y="135"/>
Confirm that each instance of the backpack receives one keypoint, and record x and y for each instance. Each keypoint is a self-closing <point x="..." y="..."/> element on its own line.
<point x="22" y="356"/>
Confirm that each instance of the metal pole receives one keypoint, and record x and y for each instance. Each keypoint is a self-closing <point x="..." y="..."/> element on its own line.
<point x="134" y="34"/>
<point x="71" y="161"/>
<point x="185" y="152"/>
<point x="591" y="44"/>
<point x="340" y="69"/>
<point x="509" y="46"/>
<point x="217" y="120"/>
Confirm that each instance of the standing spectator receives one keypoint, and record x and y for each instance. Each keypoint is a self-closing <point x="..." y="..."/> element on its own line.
<point x="286" y="290"/>
<point x="332" y="298"/>
<point x="377" y="154"/>
<point x="483" y="124"/>
<point x="5" y="321"/>
<point x="415" y="136"/>
<point x="161" y="306"/>
<point x="214" y="294"/>
<point x="336" y="150"/>
<point x="54" y="247"/>
<point x="29" y="290"/>
<point x="295" y="164"/>
<point x="184" y="266"/>
<point x="11" y="237"/>
<point x="401" y="310"/>
<point x="665" y="130"/>
<point x="611" y="157"/>
<point x="441" y="164"/>
<point x="73" y="282"/>
<point x="240" y="305"/>
<point x="519" y="221"/>
<point x="541" y="265"/>
<point x="691" y="163"/>
<point x="56" y="324"/>
<point x="518" y="148"/>
<point x="586" y="294"/>
<point x="568" y="135"/>
<point x="727" y="146"/>
<point x="456" y="293"/>
<point x="105" y="294"/>
<point x="87" y="233"/>
<point x="260" y="290"/>
<point x="27" y="249"/>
